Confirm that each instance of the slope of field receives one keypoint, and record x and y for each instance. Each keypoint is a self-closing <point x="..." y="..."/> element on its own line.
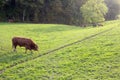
<point x="96" y="58"/>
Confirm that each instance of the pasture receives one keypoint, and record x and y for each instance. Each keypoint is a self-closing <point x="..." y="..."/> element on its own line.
<point x="94" y="59"/>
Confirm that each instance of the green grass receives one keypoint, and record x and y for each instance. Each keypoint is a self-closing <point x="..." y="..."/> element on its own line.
<point x="93" y="59"/>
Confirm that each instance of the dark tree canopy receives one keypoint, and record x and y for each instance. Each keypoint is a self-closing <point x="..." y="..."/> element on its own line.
<point x="47" y="11"/>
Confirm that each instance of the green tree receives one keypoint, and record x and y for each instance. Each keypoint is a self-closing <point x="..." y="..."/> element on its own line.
<point x="2" y="2"/>
<point x="30" y="8"/>
<point x="42" y="11"/>
<point x="93" y="11"/>
<point x="71" y="11"/>
<point x="52" y="11"/>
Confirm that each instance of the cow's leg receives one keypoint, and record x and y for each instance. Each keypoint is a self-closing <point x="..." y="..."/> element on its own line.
<point x="14" y="48"/>
<point x="26" y="50"/>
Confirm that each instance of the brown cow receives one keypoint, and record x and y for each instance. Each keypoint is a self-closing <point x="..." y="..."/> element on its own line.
<point x="10" y="20"/>
<point x="24" y="42"/>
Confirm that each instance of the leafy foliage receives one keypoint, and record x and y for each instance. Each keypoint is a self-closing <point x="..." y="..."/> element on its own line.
<point x="94" y="11"/>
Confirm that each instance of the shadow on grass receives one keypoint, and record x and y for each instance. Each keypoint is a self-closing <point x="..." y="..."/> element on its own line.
<point x="12" y="57"/>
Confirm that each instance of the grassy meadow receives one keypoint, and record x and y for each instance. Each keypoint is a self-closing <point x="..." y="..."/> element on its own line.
<point x="94" y="59"/>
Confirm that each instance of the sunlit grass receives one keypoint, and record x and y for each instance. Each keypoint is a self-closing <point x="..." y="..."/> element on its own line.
<point x="96" y="58"/>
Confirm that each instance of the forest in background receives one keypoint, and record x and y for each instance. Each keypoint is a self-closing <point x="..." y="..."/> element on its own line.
<point x="72" y="12"/>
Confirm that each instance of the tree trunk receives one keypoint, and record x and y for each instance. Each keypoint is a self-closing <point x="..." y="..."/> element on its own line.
<point x="36" y="16"/>
<point x="24" y="12"/>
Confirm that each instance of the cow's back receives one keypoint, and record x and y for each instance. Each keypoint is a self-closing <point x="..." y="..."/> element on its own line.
<point x="20" y="41"/>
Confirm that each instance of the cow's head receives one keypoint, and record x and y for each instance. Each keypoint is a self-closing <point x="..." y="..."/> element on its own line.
<point x="35" y="47"/>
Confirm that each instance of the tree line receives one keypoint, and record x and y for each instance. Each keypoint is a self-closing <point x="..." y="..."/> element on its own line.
<point x="73" y="12"/>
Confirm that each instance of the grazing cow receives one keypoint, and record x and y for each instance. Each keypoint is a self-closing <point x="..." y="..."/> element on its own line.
<point x="94" y="24"/>
<point x="100" y="24"/>
<point x="97" y="24"/>
<point x="10" y="20"/>
<point x="24" y="42"/>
